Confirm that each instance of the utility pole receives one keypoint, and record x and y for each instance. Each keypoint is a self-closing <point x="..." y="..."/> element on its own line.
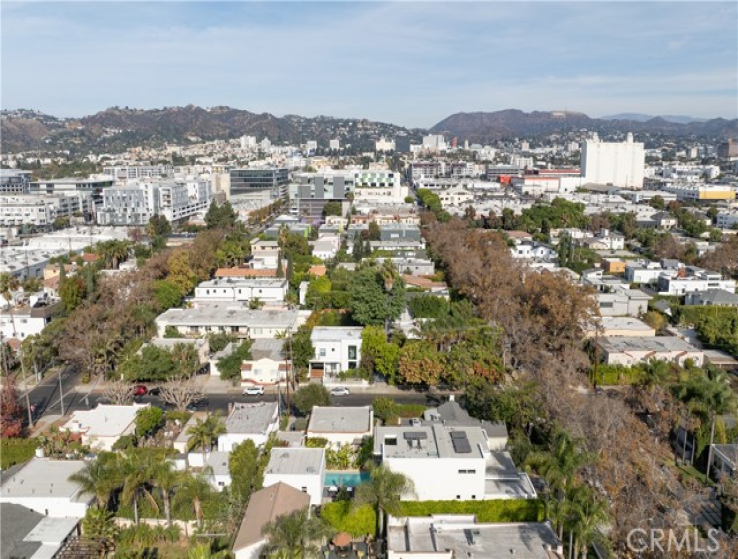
<point x="709" y="452"/>
<point x="61" y="391"/>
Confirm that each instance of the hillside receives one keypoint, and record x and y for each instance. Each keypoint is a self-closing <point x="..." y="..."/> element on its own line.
<point x="482" y="126"/>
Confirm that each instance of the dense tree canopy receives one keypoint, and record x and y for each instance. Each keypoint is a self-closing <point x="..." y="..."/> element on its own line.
<point x="370" y="302"/>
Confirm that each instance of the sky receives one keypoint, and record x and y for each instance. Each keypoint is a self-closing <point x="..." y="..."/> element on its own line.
<point x="410" y="63"/>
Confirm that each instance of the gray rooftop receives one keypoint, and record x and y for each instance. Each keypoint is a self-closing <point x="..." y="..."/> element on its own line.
<point x="430" y="440"/>
<point x="218" y="462"/>
<point x="296" y="461"/>
<point x="465" y="538"/>
<point x="335" y="333"/>
<point x="657" y="344"/>
<point x="244" y="282"/>
<point x="251" y="418"/>
<point x="18" y="522"/>
<point x="45" y="478"/>
<point x="227" y="314"/>
<point x="451" y="413"/>
<point x="340" y="420"/>
<point x="267" y="349"/>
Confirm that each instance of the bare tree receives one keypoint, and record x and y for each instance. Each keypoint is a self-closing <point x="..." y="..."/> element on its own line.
<point x="119" y="392"/>
<point x="182" y="392"/>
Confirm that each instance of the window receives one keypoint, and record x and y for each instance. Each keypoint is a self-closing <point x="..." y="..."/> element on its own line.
<point x="304" y="489"/>
<point x="352" y="352"/>
<point x="390" y="441"/>
<point x="321" y="352"/>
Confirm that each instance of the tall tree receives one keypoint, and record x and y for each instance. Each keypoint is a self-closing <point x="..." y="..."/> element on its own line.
<point x="11" y="412"/>
<point x="294" y="535"/>
<point x="384" y="491"/>
<point x="98" y="477"/>
<point x="204" y="434"/>
<point x="243" y="463"/>
<point x="376" y="296"/>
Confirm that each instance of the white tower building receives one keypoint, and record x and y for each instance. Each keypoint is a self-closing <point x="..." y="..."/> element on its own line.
<point x="618" y="163"/>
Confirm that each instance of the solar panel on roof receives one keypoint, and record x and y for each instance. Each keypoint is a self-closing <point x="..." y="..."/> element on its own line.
<point x="458" y="435"/>
<point x="461" y="446"/>
<point x="415" y="435"/>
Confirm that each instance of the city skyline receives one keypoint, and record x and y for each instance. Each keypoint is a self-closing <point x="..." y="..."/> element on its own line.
<point x="409" y="63"/>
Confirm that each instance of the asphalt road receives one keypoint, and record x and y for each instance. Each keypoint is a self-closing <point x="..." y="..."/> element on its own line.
<point x="47" y="401"/>
<point x="45" y="397"/>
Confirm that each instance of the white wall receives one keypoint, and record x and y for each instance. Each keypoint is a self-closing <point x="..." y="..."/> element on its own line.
<point x="438" y="479"/>
<point x="312" y="484"/>
<point x="54" y="507"/>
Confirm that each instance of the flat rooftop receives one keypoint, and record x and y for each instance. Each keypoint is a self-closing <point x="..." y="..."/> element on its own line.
<point x="336" y="333"/>
<point x="251" y="418"/>
<point x="267" y="349"/>
<point x="433" y="440"/>
<point x="656" y="344"/>
<point x="244" y="282"/>
<point x="296" y="461"/>
<point x="464" y="538"/>
<point x="105" y="420"/>
<point x="624" y="323"/>
<point x="44" y="478"/>
<point x="225" y="314"/>
<point x="340" y="420"/>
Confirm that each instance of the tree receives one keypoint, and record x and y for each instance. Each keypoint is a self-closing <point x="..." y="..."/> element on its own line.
<point x="230" y="365"/>
<point x="11" y="413"/>
<point x="217" y="341"/>
<point x="167" y="294"/>
<point x="305" y="398"/>
<point x="204" y="434"/>
<point x="300" y="349"/>
<point x="149" y="421"/>
<point x="165" y="478"/>
<point x="384" y="491"/>
<point x="243" y="463"/>
<point x="657" y="202"/>
<point x="589" y="513"/>
<point x="332" y="208"/>
<point x="181" y="273"/>
<point x="293" y="535"/>
<point x="72" y="291"/>
<point x="221" y="217"/>
<point x="99" y="525"/>
<point x="193" y="491"/>
<point x="158" y="227"/>
<point x="152" y="364"/>
<point x="371" y="302"/>
<point x="377" y="354"/>
<point x="181" y="393"/>
<point x="205" y="551"/>
<point x="134" y="476"/>
<point x="99" y="478"/>
<point x="119" y="392"/>
<point x="374" y="232"/>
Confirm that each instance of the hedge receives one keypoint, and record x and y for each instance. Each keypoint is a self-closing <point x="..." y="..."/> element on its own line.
<point x="613" y="375"/>
<point x="497" y="510"/>
<point x="16" y="451"/>
<point x="357" y="521"/>
<point x="410" y="410"/>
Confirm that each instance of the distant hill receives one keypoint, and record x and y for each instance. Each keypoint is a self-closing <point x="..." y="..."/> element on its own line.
<point x="483" y="126"/>
<point x="637" y="117"/>
<point x="119" y="128"/>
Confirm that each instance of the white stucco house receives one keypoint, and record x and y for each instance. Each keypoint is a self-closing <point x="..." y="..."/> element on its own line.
<point x="103" y="425"/>
<point x="249" y="421"/>
<point x="341" y="425"/>
<point x="337" y="348"/>
<point x="267" y="364"/>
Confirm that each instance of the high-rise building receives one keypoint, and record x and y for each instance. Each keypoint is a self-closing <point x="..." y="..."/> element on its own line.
<point x="728" y="150"/>
<point x="260" y="182"/>
<point x="619" y="164"/>
<point x="132" y="172"/>
<point x="335" y="144"/>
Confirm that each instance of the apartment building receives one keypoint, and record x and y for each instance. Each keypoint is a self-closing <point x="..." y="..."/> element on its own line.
<point x="134" y="172"/>
<point x="267" y="290"/>
<point x="13" y="181"/>
<point x="260" y="182"/>
<point x="41" y="211"/>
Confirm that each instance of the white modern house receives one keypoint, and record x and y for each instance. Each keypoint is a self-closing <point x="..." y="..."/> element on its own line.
<point x="103" y="425"/>
<point x="266" y="290"/>
<point x="341" y="425"/>
<point x="337" y="348"/>
<point x="249" y="421"/>
<point x="460" y="455"/>
<point x="301" y="468"/>
<point x="43" y="486"/>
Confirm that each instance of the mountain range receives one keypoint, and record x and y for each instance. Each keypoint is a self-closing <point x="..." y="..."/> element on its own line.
<point x="116" y="128"/>
<point x="638" y="117"/>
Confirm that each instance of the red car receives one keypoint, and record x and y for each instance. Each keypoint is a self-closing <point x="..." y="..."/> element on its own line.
<point x="140" y="390"/>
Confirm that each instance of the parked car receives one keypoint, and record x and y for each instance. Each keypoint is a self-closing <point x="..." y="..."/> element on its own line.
<point x="140" y="390"/>
<point x="197" y="406"/>
<point x="254" y="391"/>
<point x="340" y="391"/>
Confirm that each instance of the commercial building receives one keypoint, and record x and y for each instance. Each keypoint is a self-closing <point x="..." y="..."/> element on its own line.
<point x="728" y="150"/>
<point x="301" y="468"/>
<point x="92" y="186"/>
<point x="41" y="211"/>
<point x="259" y="182"/>
<point x="701" y="192"/>
<point x="619" y="164"/>
<point x="135" y="203"/>
<point x="379" y="186"/>
<point x="253" y="422"/>
<point x="310" y="192"/>
<point x="13" y="181"/>
<point x="383" y="144"/>
<point x="133" y="172"/>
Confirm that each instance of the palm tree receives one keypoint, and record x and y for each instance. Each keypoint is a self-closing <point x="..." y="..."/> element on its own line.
<point x="99" y="525"/>
<point x="204" y="551"/>
<point x="134" y="476"/>
<point x="164" y="478"/>
<point x="193" y="490"/>
<point x="292" y="536"/>
<point x="383" y="491"/>
<point x="588" y="513"/>
<point x="205" y="433"/>
<point x="389" y="278"/>
<point x="99" y="478"/>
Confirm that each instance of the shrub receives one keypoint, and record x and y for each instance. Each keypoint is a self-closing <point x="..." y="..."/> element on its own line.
<point x="316" y="442"/>
<point x="357" y="521"/>
<point x="498" y="510"/>
<point x="15" y="451"/>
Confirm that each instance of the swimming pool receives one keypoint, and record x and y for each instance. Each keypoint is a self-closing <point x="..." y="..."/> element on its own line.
<point x="345" y="479"/>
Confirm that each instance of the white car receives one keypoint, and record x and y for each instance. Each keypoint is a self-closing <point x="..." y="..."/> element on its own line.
<point x="254" y="390"/>
<point x="340" y="391"/>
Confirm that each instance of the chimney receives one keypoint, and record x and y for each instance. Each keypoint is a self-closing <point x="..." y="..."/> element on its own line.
<point x="451" y="397"/>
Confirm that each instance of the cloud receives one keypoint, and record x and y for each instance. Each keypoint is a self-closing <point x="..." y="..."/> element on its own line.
<point x="407" y="62"/>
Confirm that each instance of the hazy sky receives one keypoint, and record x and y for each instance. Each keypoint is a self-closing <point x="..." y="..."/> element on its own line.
<point x="410" y="63"/>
